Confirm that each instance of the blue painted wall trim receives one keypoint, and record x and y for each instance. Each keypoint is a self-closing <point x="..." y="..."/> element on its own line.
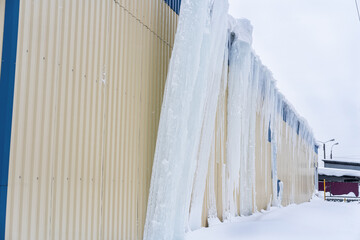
<point x="269" y="133"/>
<point x="7" y="81"/>
<point x="316" y="148"/>
<point x="174" y="4"/>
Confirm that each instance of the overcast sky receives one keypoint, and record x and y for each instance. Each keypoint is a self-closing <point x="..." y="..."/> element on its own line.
<point x="313" y="49"/>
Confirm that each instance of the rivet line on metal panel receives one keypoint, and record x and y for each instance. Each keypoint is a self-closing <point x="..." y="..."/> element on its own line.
<point x="146" y="26"/>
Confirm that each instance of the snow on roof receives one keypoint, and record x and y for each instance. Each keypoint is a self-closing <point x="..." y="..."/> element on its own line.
<point x="356" y="161"/>
<point x="338" y="172"/>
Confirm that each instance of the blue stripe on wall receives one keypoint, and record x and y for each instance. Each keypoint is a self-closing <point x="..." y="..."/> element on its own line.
<point x="269" y="133"/>
<point x="3" y="194"/>
<point x="7" y="81"/>
<point x="174" y="4"/>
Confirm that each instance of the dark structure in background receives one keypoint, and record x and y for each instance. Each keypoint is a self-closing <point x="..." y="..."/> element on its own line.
<point x="341" y="176"/>
<point x="342" y="164"/>
<point x="340" y="188"/>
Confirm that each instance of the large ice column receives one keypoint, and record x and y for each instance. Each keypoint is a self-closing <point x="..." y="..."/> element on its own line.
<point x="207" y="134"/>
<point x="217" y="70"/>
<point x="242" y="97"/>
<point x="274" y="176"/>
<point x="252" y="93"/>
<point x="198" y="73"/>
<point x="193" y="80"/>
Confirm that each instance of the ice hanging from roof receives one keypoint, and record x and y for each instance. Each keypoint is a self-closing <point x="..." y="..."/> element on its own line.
<point x="252" y="94"/>
<point x="242" y="96"/>
<point x="212" y="54"/>
<point x="188" y="112"/>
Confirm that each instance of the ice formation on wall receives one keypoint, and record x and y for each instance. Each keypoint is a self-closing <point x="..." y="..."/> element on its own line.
<point x="212" y="53"/>
<point x="242" y="96"/>
<point x="187" y="117"/>
<point x="252" y="91"/>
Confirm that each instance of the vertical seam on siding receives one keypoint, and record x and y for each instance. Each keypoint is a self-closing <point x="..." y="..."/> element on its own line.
<point x="55" y="110"/>
<point x="104" y="109"/>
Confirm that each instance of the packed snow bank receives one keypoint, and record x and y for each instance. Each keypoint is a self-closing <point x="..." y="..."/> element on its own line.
<point x="328" y="194"/>
<point x="311" y="221"/>
<point x="351" y="194"/>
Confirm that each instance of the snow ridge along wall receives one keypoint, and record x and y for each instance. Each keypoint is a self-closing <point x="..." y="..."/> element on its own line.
<point x="214" y="68"/>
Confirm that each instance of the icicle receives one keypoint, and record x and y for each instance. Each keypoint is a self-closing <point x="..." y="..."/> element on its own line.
<point x="241" y="122"/>
<point x="218" y="41"/>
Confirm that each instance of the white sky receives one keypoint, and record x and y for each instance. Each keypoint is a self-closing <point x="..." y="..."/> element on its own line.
<point x="313" y="49"/>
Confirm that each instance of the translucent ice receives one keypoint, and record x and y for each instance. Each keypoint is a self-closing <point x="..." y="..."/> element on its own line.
<point x="187" y="119"/>
<point x="212" y="54"/>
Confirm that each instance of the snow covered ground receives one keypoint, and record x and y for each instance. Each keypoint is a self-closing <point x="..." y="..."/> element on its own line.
<point x="313" y="220"/>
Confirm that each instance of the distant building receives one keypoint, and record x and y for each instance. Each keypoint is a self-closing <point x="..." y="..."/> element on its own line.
<point x="341" y="176"/>
<point x="342" y="164"/>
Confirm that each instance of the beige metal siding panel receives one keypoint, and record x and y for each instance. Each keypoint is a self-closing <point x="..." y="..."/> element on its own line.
<point x="89" y="84"/>
<point x="30" y="183"/>
<point x="68" y="143"/>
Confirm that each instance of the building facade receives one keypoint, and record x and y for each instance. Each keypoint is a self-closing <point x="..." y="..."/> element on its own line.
<point x="88" y="85"/>
<point x="81" y="89"/>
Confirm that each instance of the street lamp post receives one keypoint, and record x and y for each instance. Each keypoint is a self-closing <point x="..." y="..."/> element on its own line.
<point x="332" y="149"/>
<point x="323" y="143"/>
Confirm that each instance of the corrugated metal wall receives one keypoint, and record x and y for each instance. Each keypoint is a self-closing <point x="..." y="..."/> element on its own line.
<point x="294" y="168"/>
<point x="89" y="84"/>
